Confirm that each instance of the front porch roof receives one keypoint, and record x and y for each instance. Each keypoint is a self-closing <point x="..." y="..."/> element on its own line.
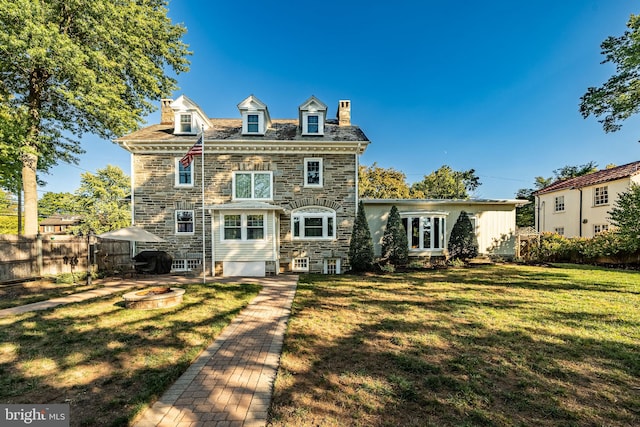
<point x="250" y="205"/>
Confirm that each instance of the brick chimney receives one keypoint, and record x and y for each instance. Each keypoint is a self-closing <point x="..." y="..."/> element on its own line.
<point x="344" y="112"/>
<point x="166" y="113"/>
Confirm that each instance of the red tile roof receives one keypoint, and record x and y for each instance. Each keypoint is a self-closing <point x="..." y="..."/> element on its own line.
<point x="594" y="178"/>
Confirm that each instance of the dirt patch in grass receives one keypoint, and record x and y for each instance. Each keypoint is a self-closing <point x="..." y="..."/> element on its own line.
<point x="492" y="345"/>
<point x="13" y="295"/>
<point x="108" y="362"/>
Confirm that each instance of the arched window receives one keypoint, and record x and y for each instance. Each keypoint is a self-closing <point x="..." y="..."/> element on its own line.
<point x="313" y="222"/>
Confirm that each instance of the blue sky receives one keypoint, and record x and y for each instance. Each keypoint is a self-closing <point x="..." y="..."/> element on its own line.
<point x="493" y="85"/>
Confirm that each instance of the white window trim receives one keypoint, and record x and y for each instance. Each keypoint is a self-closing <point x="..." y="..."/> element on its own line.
<point x="306" y="170"/>
<point x="252" y="173"/>
<point x="305" y="123"/>
<point x="605" y="188"/>
<point x="338" y="265"/>
<point x="559" y="231"/>
<point x="324" y="213"/>
<point x="243" y="227"/>
<point x="303" y="260"/>
<point x="193" y="216"/>
<point x="556" y="204"/>
<point x="602" y="227"/>
<point x="177" y="174"/>
<point x="245" y="122"/>
<point x="178" y="121"/>
<point x="421" y="217"/>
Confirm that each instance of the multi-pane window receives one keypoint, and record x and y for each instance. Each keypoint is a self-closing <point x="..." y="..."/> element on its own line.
<point x="232" y="227"/>
<point x="313" y="172"/>
<point x="425" y="232"/>
<point x="559" y="204"/>
<point x="184" y="222"/>
<point x="332" y="266"/>
<point x="253" y="123"/>
<point x="601" y="196"/>
<point x="255" y="227"/>
<point x="599" y="228"/>
<point x="252" y="185"/>
<point x="559" y="230"/>
<point x="243" y="226"/>
<point x="184" y="175"/>
<point x="313" y="223"/>
<point x="312" y="124"/>
<point x="185" y="123"/>
<point x="300" y="264"/>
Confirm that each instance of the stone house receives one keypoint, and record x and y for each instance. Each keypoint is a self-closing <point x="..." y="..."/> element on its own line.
<point x="279" y="194"/>
<point x="579" y="207"/>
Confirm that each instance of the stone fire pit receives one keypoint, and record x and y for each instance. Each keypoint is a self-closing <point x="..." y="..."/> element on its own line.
<point x="150" y="298"/>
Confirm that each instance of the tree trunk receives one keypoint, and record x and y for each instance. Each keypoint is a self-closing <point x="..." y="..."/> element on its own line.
<point x="30" y="186"/>
<point x="20" y="231"/>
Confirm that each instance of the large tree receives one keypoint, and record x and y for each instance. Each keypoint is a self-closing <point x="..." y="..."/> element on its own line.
<point x="624" y="216"/>
<point x="102" y="200"/>
<point x="375" y="182"/>
<point x="446" y="183"/>
<point x="80" y="67"/>
<point x="58" y="203"/>
<point x="619" y="97"/>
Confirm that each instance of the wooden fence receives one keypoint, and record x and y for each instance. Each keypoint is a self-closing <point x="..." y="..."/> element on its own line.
<point x="28" y="257"/>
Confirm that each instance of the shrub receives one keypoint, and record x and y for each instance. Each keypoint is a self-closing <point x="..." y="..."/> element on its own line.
<point x="361" y="246"/>
<point x="463" y="243"/>
<point x="395" y="247"/>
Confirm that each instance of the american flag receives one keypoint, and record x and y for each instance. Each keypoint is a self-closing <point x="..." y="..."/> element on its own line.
<point x="196" y="150"/>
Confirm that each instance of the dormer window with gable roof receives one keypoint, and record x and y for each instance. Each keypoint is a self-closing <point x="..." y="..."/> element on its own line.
<point x="188" y="117"/>
<point x="312" y="114"/>
<point x="255" y="116"/>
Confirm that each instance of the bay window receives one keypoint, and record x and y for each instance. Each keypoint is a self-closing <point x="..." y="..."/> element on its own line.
<point x="242" y="226"/>
<point x="313" y="223"/>
<point x="425" y="232"/>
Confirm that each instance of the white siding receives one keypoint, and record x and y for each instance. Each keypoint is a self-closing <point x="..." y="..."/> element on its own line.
<point x="245" y="250"/>
<point x="495" y="222"/>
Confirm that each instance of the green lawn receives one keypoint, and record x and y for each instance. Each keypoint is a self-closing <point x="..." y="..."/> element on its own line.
<point x="108" y="362"/>
<point x="486" y="346"/>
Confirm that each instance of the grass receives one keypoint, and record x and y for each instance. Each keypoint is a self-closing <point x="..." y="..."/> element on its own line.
<point x="486" y="346"/>
<point x="107" y="362"/>
<point x="29" y="292"/>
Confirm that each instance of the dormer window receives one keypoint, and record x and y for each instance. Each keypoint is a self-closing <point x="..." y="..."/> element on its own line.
<point x="188" y="117"/>
<point x="252" y="123"/>
<point x="312" y="124"/>
<point x="185" y="123"/>
<point x="312" y="114"/>
<point x="255" y="116"/>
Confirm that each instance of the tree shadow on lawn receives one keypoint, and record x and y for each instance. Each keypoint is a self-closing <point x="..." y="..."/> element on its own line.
<point x="389" y="369"/>
<point x="106" y="361"/>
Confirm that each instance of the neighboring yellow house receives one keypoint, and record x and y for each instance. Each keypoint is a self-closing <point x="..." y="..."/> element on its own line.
<point x="579" y="207"/>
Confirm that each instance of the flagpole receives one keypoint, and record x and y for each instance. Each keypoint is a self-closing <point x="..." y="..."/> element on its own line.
<point x="204" y="274"/>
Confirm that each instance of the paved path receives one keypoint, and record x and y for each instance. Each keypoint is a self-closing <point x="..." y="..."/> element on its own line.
<point x="230" y="384"/>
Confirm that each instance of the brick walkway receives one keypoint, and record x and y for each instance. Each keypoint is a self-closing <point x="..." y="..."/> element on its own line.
<point x="230" y="383"/>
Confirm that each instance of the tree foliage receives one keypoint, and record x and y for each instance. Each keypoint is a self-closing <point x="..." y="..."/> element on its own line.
<point x="102" y="200"/>
<point x="567" y="172"/>
<point x="57" y="203"/>
<point x="82" y="67"/>
<point x="445" y="183"/>
<point x="625" y="216"/>
<point x="375" y="182"/>
<point x="463" y="243"/>
<point x="619" y="97"/>
<point x="395" y="246"/>
<point x="361" y="245"/>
